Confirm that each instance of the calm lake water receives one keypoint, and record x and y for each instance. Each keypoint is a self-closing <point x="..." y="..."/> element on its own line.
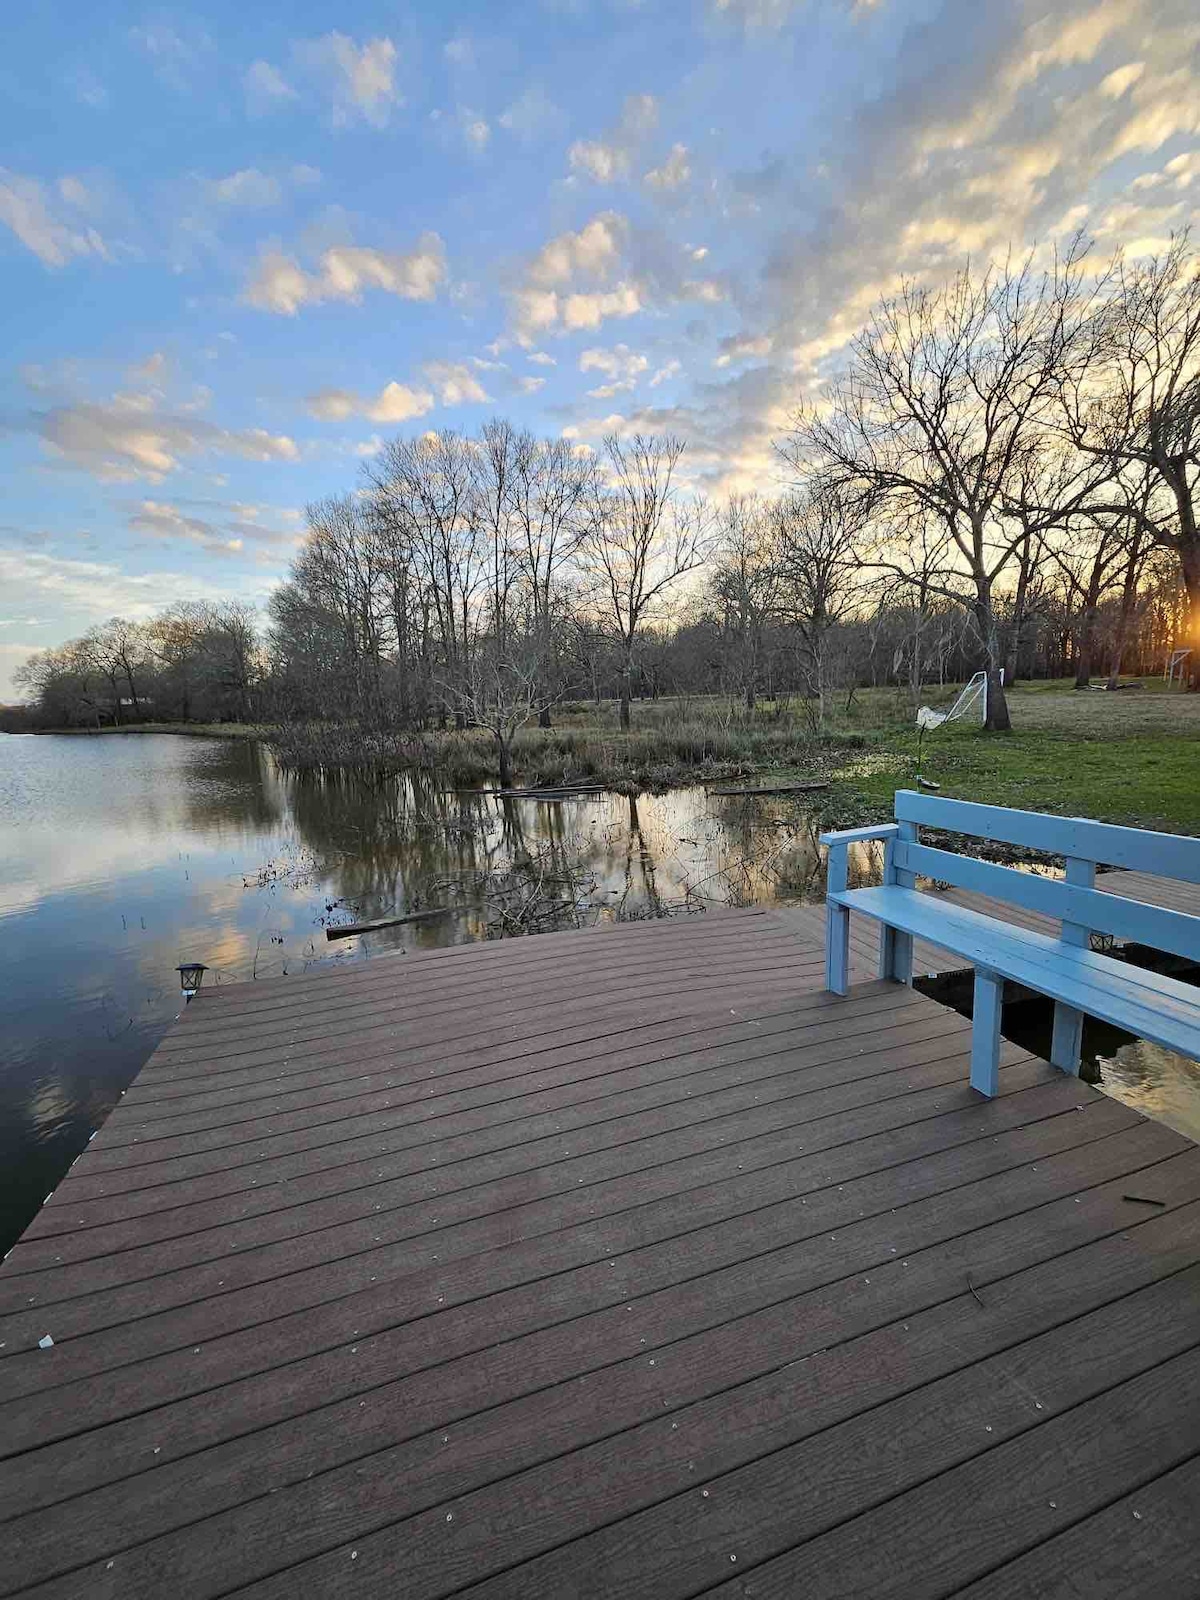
<point x="122" y="856"/>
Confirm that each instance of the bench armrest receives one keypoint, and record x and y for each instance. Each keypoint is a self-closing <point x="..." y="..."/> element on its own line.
<point x="881" y="830"/>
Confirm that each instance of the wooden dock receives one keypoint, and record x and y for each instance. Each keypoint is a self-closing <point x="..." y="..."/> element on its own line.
<point x="613" y="1264"/>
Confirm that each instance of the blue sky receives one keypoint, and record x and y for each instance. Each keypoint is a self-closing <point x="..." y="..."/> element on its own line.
<point x="241" y="244"/>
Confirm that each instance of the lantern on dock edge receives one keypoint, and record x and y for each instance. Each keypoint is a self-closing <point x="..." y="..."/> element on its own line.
<point x="191" y="976"/>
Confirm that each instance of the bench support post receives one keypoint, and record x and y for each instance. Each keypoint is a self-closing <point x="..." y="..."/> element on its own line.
<point x="837" y="923"/>
<point x="837" y="949"/>
<point x="985" y="1031"/>
<point x="1066" y="1041"/>
<point x="895" y="946"/>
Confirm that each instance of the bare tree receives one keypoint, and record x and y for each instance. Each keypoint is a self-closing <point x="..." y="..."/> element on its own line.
<point x="641" y="540"/>
<point x="121" y="648"/>
<point x="818" y="531"/>
<point x="551" y="489"/>
<point x="946" y="391"/>
<point x="1136" y="402"/>
<point x="427" y="487"/>
<point x="500" y="691"/>
<point x="746" y="584"/>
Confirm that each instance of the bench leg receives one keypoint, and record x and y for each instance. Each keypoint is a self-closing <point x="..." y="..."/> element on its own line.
<point x="1066" y="1042"/>
<point x="985" y="1032"/>
<point x="895" y="954"/>
<point x="837" y="949"/>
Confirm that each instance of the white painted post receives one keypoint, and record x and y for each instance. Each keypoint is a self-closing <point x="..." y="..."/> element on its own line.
<point x="1066" y="1041"/>
<point x="837" y="923"/>
<point x="985" y="1031"/>
<point x="895" y="947"/>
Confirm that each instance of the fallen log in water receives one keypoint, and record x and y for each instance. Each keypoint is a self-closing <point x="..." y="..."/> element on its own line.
<point x="782" y="788"/>
<point x="569" y="792"/>
<point x="347" y="928"/>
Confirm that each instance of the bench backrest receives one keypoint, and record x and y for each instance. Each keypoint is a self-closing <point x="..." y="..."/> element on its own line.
<point x="1083" y="843"/>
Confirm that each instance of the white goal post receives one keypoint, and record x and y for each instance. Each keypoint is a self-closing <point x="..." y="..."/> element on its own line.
<point x="974" y="694"/>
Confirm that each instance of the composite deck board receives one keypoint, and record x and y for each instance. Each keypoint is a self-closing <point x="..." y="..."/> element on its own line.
<point x="146" y="1318"/>
<point x="471" y="1271"/>
<point x="138" y="1248"/>
<point x="1140" y="1544"/>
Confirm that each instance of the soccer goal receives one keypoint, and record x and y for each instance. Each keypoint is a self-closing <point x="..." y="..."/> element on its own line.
<point x="972" y="695"/>
<point x="1176" y="667"/>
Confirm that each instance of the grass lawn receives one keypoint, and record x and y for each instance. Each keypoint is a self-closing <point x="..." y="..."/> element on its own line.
<point x="1132" y="757"/>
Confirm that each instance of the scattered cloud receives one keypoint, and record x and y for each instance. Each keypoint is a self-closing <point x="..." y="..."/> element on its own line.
<point x="247" y="188"/>
<point x="455" y="382"/>
<point x="530" y="384"/>
<point x="87" y="89"/>
<point x="91" y="591"/>
<point x="531" y="117"/>
<point x="460" y="50"/>
<point x="153" y="370"/>
<point x="130" y="437"/>
<point x="469" y="127"/>
<point x="621" y="365"/>
<point x="228" y="535"/>
<point x="396" y="402"/>
<point x="359" y="80"/>
<point x="595" y="251"/>
<point x="541" y="359"/>
<point x="280" y="284"/>
<point x="578" y="280"/>
<point x="768" y="16"/>
<point x="168" y="522"/>
<point x="266" y="88"/>
<point x="52" y="224"/>
<point x="665" y="372"/>
<point x="591" y="258"/>
<point x="174" y="49"/>
<point x="356" y="81"/>
<point x="607" y="160"/>
<point x="475" y="129"/>
<point x="742" y="347"/>
<point x="674" y="173"/>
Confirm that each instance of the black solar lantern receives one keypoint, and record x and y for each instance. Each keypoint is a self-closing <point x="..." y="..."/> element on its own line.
<point x="191" y="976"/>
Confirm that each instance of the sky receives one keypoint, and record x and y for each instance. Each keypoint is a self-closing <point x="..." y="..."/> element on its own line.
<point x="242" y="244"/>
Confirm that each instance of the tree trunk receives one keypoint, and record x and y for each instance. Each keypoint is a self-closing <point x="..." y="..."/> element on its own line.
<point x="504" y="752"/>
<point x="1083" y="658"/>
<point x="1012" y="655"/>
<point x="544" y="718"/>
<point x="1125" y="616"/>
<point x="1190" y="558"/>
<point x="997" y="719"/>
<point x="626" y="688"/>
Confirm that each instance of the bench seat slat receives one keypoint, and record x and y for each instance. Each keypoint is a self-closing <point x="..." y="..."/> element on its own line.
<point x="1144" y="1003"/>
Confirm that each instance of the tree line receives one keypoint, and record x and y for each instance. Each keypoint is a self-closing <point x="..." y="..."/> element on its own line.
<point x="1002" y="475"/>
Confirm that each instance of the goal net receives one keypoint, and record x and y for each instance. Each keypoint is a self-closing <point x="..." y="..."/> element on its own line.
<point x="974" y="694"/>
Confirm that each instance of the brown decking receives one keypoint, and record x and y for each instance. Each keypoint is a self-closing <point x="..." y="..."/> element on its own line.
<point x="625" y="1263"/>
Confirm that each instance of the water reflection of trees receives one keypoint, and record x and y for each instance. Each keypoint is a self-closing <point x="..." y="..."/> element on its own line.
<point x="233" y="783"/>
<point x="512" y="865"/>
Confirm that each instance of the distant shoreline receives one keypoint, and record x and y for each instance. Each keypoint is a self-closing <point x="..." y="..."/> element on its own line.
<point x="190" y="730"/>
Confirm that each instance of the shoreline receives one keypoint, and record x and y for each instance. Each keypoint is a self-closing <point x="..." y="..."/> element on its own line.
<point x="187" y="730"/>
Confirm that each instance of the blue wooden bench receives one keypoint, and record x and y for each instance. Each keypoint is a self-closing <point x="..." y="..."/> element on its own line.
<point x="1081" y="981"/>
